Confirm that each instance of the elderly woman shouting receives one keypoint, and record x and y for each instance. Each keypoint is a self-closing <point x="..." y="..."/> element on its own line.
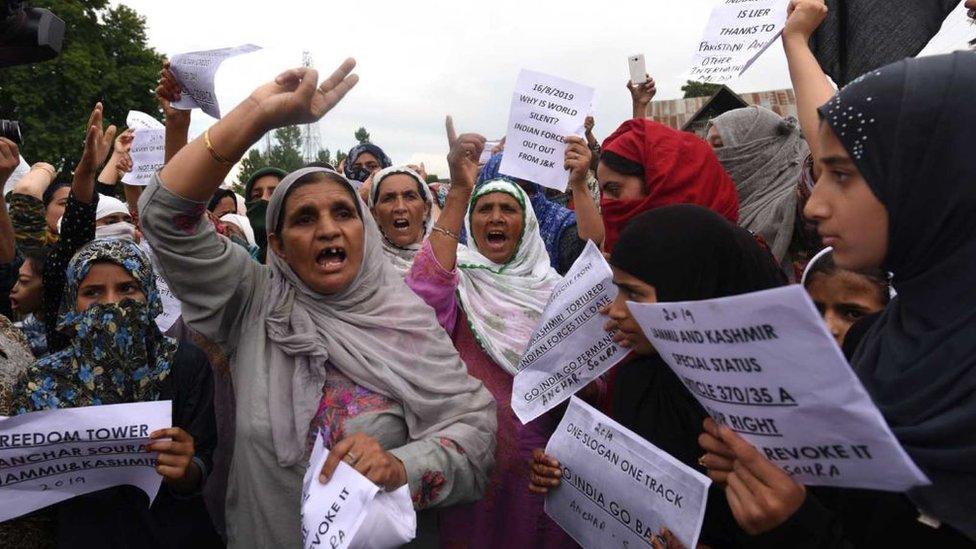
<point x="325" y="341"/>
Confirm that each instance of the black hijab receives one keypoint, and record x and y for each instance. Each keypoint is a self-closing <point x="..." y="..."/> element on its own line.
<point x="918" y="362"/>
<point x="687" y="253"/>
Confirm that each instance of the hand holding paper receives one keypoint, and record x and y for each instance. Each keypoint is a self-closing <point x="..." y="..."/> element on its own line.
<point x="803" y="18"/>
<point x="363" y="453"/>
<point x="761" y="495"/>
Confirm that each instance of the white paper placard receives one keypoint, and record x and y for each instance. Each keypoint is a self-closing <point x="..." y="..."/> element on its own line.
<point x="545" y="109"/>
<point x="738" y="32"/>
<point x="55" y="455"/>
<point x="617" y="489"/>
<point x="20" y="171"/>
<point x="172" y="308"/>
<point x="764" y="365"/>
<point x="148" y="154"/>
<point x="334" y="511"/>
<point x="196" y="71"/>
<point x="142" y="121"/>
<point x="570" y="348"/>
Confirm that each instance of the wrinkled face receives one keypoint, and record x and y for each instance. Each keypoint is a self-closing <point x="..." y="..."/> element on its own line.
<point x="713" y="138"/>
<point x="849" y="216"/>
<point x="497" y="220"/>
<point x="844" y="297"/>
<point x="262" y="189"/>
<point x="55" y="209"/>
<point x="629" y="331"/>
<point x="111" y="219"/>
<point x="366" y="161"/>
<point x="107" y="283"/>
<point x="226" y="205"/>
<point x="400" y="210"/>
<point x="322" y="236"/>
<point x="25" y="297"/>
<point x="617" y="186"/>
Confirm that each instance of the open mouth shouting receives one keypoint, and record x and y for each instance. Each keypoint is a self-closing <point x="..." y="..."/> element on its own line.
<point x="496" y="240"/>
<point x="401" y="225"/>
<point x="331" y="259"/>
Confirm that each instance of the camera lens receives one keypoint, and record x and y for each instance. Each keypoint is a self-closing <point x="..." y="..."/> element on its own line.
<point x="11" y="130"/>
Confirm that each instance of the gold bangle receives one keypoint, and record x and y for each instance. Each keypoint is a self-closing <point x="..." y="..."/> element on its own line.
<point x="214" y="154"/>
<point x="447" y="232"/>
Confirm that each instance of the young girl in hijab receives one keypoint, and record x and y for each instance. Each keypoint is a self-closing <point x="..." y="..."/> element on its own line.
<point x="403" y="209"/>
<point x="257" y="192"/>
<point x="489" y="297"/>
<point x="672" y="253"/>
<point x="844" y="297"/>
<point x="116" y="354"/>
<point x="563" y="230"/>
<point x="325" y="341"/>
<point x="896" y="193"/>
<point x="646" y="165"/>
<point x="764" y="154"/>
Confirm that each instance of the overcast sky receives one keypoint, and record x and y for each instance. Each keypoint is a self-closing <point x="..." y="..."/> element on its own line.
<point x="421" y="60"/>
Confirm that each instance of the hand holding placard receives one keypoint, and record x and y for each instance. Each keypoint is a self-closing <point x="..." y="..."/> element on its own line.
<point x="738" y="32"/>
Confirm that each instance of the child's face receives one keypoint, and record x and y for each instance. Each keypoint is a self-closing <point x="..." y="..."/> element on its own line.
<point x="849" y="216"/>
<point x="843" y="297"/>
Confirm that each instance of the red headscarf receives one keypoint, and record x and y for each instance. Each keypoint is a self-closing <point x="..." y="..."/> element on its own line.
<point x="679" y="168"/>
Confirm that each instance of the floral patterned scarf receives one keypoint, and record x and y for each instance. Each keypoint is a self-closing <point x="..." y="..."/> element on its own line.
<point x="117" y="353"/>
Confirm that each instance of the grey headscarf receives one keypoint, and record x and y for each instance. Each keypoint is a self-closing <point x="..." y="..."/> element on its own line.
<point x="763" y="153"/>
<point x="379" y="334"/>
<point x="402" y="258"/>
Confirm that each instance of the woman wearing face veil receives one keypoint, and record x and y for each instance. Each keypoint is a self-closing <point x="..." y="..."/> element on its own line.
<point x="325" y="340"/>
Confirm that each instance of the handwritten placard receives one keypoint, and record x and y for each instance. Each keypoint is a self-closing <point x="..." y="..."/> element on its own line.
<point x="196" y="72"/>
<point x="570" y="347"/>
<point x="738" y="32"/>
<point x="545" y="109"/>
<point x="54" y="455"/>
<point x="617" y="489"/>
<point x="148" y="152"/>
<point x="764" y="365"/>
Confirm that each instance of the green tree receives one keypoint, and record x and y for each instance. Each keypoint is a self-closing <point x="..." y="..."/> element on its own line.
<point x="700" y="89"/>
<point x="105" y="58"/>
<point x="285" y="153"/>
<point x="361" y="135"/>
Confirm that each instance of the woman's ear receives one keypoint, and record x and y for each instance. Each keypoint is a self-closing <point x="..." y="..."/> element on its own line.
<point x="277" y="245"/>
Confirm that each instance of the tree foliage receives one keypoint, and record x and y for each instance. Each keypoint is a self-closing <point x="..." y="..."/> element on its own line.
<point x="361" y="135"/>
<point x="105" y="58"/>
<point x="700" y="89"/>
<point x="285" y="153"/>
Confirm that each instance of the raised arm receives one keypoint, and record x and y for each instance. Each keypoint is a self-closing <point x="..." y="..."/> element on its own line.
<point x="589" y="223"/>
<point x="294" y="97"/>
<point x="641" y="95"/>
<point x="9" y="160"/>
<point x="810" y="83"/>
<point x="462" y="159"/>
<point x="177" y="121"/>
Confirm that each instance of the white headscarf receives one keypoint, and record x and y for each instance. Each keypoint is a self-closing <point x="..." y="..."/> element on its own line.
<point x="504" y="303"/>
<point x="244" y="224"/>
<point x="108" y="205"/>
<point x="402" y="258"/>
<point x="379" y="334"/>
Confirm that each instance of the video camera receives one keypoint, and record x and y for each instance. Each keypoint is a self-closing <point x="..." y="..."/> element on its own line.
<point x="28" y="35"/>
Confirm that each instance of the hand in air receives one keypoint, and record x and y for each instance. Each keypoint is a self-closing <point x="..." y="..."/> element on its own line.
<point x="803" y="18"/>
<point x="462" y="159"/>
<point x="296" y="97"/>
